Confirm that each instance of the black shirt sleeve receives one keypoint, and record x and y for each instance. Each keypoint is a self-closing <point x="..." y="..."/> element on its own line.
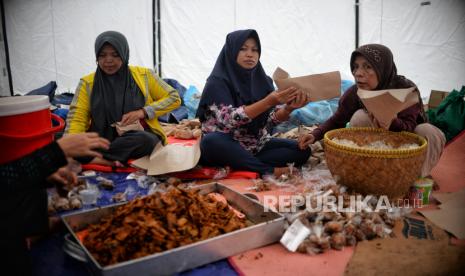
<point x="30" y="171"/>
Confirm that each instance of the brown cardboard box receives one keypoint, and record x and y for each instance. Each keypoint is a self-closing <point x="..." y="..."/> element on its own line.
<point x="436" y="98"/>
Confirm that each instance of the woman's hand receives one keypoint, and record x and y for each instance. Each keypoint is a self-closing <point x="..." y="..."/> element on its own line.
<point x="378" y="124"/>
<point x="63" y="177"/>
<point x="270" y="101"/>
<point x="83" y="144"/>
<point x="132" y="116"/>
<point x="283" y="96"/>
<point x="305" y="140"/>
<point x="300" y="100"/>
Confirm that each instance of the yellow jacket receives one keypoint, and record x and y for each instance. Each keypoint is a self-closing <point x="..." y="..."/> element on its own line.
<point x="160" y="98"/>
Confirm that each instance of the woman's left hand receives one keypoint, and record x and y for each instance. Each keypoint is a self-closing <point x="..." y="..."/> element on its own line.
<point x="132" y="116"/>
<point x="300" y="101"/>
<point x="378" y="124"/>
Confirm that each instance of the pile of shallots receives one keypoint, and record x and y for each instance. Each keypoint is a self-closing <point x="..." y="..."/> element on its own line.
<point x="334" y="229"/>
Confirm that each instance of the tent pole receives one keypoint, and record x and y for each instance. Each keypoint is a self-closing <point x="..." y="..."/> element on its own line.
<point x="7" y="54"/>
<point x="156" y="36"/>
<point x="154" y="31"/>
<point x="356" y="23"/>
<point x="159" y="36"/>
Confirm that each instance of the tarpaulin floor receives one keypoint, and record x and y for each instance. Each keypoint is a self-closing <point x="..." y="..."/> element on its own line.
<point x="49" y="258"/>
<point x="449" y="173"/>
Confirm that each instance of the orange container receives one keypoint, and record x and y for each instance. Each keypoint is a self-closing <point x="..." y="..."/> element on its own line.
<point x="25" y="125"/>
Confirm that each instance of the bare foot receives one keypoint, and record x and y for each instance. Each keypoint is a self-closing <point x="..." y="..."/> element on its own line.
<point x="118" y="164"/>
<point x="101" y="161"/>
<point x="278" y="171"/>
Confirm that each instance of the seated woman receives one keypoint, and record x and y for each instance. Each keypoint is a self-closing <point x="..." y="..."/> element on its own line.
<point x="123" y="94"/>
<point x="237" y="111"/>
<point x="374" y="69"/>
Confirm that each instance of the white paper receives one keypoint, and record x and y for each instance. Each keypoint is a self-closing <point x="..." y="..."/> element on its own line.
<point x="170" y="158"/>
<point x="294" y="235"/>
<point x="385" y="104"/>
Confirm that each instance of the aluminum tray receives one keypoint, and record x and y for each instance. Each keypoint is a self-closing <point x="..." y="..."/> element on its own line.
<point x="267" y="228"/>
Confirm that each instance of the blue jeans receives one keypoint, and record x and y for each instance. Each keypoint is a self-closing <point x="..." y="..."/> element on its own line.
<point x="220" y="149"/>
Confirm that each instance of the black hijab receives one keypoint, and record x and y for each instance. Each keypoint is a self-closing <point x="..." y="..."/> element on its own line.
<point x="244" y="86"/>
<point x="113" y="95"/>
<point x="381" y="59"/>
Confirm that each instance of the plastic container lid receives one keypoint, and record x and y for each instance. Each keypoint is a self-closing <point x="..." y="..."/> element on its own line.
<point x="23" y="104"/>
<point x="424" y="182"/>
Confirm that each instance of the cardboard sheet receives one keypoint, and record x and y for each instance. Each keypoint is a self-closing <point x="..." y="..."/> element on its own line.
<point x="174" y="157"/>
<point x="455" y="200"/>
<point x="442" y="197"/>
<point x="385" y="104"/>
<point x="450" y="215"/>
<point x="318" y="87"/>
<point x="406" y="257"/>
<point x="449" y="172"/>
<point x="451" y="220"/>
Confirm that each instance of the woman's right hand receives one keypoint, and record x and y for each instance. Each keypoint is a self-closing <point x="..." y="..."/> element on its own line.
<point x="83" y="144"/>
<point x="305" y="140"/>
<point x="63" y="177"/>
<point x="283" y="96"/>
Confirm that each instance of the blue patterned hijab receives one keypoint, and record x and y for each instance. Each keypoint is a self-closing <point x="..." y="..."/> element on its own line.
<point x="230" y="84"/>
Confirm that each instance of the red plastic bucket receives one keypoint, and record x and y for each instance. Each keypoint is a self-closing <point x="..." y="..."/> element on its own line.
<point x="25" y="125"/>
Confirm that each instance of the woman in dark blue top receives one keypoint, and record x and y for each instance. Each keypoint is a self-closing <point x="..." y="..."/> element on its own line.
<point x="238" y="108"/>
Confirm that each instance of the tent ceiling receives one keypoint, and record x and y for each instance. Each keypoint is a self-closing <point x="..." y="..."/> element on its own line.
<point x="53" y="39"/>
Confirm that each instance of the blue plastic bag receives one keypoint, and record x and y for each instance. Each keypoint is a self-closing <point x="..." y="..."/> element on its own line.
<point x="63" y="99"/>
<point x="46" y="90"/>
<point x="180" y="113"/>
<point x="319" y="112"/>
<point x="191" y="100"/>
<point x="175" y="116"/>
<point x="178" y="86"/>
<point x="314" y="112"/>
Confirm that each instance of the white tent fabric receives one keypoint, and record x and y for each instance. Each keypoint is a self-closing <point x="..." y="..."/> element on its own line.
<point x="53" y="39"/>
<point x="428" y="41"/>
<point x="302" y="37"/>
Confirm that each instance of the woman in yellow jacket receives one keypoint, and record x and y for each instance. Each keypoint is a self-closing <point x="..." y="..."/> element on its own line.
<point x="117" y="94"/>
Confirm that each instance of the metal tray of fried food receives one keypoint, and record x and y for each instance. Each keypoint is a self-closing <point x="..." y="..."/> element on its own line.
<point x="266" y="227"/>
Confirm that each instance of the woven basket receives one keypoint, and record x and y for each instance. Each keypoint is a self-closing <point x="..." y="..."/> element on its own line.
<point x="375" y="171"/>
